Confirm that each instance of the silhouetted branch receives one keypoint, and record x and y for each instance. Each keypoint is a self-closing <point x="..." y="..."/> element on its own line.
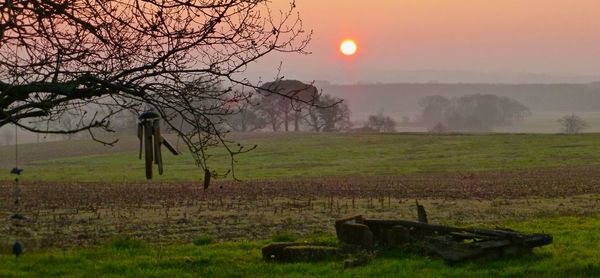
<point x="180" y="58"/>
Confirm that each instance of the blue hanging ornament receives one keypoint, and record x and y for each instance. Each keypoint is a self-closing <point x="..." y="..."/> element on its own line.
<point x="16" y="171"/>
<point x="17" y="249"/>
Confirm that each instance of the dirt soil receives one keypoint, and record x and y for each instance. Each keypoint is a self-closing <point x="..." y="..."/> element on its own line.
<point x="79" y="214"/>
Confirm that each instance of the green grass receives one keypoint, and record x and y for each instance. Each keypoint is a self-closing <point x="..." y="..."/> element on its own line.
<point x="313" y="155"/>
<point x="203" y="240"/>
<point x="284" y="237"/>
<point x="574" y="253"/>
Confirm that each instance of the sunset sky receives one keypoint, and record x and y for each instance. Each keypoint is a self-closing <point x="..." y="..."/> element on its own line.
<point x="394" y="36"/>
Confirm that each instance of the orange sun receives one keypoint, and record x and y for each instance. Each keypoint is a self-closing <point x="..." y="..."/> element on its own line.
<point x="348" y="47"/>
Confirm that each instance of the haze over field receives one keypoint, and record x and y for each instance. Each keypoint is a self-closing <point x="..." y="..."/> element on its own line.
<point x="547" y="102"/>
<point x="541" y="53"/>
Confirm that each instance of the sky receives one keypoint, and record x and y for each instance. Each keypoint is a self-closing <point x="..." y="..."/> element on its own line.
<point x="399" y="36"/>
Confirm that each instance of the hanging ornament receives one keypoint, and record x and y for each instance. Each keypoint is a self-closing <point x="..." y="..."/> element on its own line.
<point x="151" y="141"/>
<point x="17" y="249"/>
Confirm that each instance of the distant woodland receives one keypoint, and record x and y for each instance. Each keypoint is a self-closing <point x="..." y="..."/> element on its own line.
<point x="404" y="98"/>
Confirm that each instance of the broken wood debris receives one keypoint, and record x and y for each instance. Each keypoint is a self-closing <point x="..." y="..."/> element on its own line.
<point x="451" y="243"/>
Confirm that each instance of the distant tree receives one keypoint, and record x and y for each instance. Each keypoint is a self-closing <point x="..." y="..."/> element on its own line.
<point x="314" y="121"/>
<point x="472" y="113"/>
<point x="247" y="119"/>
<point x="335" y="114"/>
<point x="299" y="97"/>
<point x="269" y="109"/>
<point x="329" y="115"/>
<point x="381" y="123"/>
<point x="572" y="124"/>
<point x="434" y="109"/>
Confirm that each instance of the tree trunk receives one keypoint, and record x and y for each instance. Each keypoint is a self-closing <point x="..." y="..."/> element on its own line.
<point x="314" y="120"/>
<point x="274" y="123"/>
<point x="244" y="126"/>
<point x="296" y="121"/>
<point x="272" y="117"/>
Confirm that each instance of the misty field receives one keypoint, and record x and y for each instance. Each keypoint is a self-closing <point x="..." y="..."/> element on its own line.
<point x="89" y="206"/>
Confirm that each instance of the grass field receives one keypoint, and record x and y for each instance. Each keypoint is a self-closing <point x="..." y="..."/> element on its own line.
<point x="89" y="212"/>
<point x="573" y="254"/>
<point x="315" y="155"/>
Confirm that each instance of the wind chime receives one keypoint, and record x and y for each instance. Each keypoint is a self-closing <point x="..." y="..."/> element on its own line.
<point x="151" y="140"/>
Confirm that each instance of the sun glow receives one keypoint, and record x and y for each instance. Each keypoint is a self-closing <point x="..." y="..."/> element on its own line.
<point x="348" y="47"/>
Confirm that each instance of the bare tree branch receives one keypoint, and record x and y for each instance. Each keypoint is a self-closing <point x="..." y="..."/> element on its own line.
<point x="181" y="58"/>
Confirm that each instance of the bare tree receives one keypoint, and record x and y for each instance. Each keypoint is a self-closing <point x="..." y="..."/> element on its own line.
<point x="331" y="114"/>
<point x="247" y="118"/>
<point x="434" y="108"/>
<point x="572" y="124"/>
<point x="269" y="109"/>
<point x="335" y="114"/>
<point x="137" y="55"/>
<point x="281" y="110"/>
<point x="381" y="123"/>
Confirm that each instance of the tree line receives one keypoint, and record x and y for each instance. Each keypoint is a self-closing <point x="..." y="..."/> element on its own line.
<point x="305" y="108"/>
<point x="471" y="113"/>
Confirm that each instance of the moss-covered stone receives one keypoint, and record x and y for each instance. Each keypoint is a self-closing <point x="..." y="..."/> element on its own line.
<point x="274" y="251"/>
<point x="308" y="253"/>
<point x="297" y="252"/>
